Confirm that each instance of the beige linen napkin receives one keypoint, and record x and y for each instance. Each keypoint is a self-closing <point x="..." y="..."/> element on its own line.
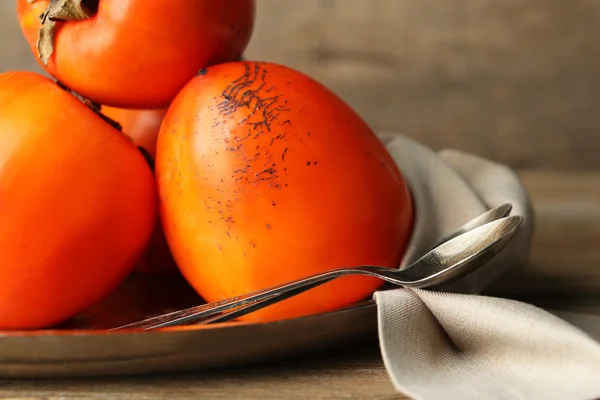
<point x="454" y="343"/>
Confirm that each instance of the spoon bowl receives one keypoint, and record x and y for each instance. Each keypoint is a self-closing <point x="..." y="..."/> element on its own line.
<point x="488" y="216"/>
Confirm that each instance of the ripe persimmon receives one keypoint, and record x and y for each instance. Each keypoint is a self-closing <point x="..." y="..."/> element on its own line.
<point x="134" y="53"/>
<point x="77" y="204"/>
<point x="142" y="126"/>
<point x="266" y="176"/>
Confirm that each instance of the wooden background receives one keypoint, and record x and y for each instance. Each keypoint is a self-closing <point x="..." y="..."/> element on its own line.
<point x="513" y="80"/>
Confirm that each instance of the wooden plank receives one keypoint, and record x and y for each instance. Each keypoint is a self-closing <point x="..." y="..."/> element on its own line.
<point x="565" y="257"/>
<point x="352" y="373"/>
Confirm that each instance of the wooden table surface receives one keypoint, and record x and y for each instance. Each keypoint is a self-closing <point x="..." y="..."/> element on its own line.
<point x="565" y="259"/>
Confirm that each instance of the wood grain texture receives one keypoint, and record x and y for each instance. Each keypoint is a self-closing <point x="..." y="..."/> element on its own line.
<point x="513" y="80"/>
<point x="565" y="257"/>
<point x="356" y="373"/>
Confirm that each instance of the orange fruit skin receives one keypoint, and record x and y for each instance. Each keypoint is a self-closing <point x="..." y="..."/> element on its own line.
<point x="266" y="176"/>
<point x="140" y="53"/>
<point x="77" y="204"/>
<point x="142" y="126"/>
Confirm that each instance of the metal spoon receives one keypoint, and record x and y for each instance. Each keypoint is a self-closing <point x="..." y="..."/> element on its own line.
<point x="452" y="259"/>
<point x="470" y="265"/>
<point x="488" y="216"/>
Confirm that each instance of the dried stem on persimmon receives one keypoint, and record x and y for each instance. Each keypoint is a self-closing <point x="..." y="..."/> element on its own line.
<point x="97" y="109"/>
<point x="60" y="11"/>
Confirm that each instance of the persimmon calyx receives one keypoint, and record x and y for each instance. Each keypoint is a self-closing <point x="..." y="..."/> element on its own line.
<point x="58" y="11"/>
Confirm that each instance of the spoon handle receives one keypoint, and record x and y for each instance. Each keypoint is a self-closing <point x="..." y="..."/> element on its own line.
<point x="199" y="313"/>
<point x="259" y="305"/>
<point x="228" y="309"/>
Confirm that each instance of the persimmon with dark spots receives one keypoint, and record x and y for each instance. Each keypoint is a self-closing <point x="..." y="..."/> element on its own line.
<point x="134" y="53"/>
<point x="78" y="204"/>
<point x="142" y="126"/>
<point x="266" y="176"/>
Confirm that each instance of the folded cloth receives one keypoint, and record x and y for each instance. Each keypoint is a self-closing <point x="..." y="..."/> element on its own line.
<point x="455" y="343"/>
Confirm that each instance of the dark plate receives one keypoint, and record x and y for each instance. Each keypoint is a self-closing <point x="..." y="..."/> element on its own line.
<point x="84" y="347"/>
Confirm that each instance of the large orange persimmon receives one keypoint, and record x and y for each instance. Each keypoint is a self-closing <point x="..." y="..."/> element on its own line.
<point x="134" y="53"/>
<point x="265" y="176"/>
<point x="142" y="126"/>
<point x="77" y="204"/>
